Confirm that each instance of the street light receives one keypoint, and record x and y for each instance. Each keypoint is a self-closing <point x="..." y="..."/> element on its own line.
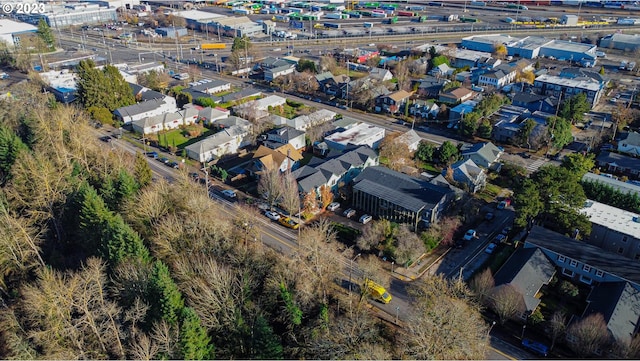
<point x="392" y="263"/>
<point x="397" y="313"/>
<point x="491" y="327"/>
<point x="351" y="269"/>
<point x="523" y="328"/>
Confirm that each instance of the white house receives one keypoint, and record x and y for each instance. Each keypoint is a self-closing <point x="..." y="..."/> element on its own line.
<point x="411" y="139"/>
<point x="285" y="135"/>
<point x="441" y="70"/>
<point x="208" y="114"/>
<point x="498" y="77"/>
<point x="156" y="123"/>
<point x="227" y="141"/>
<point x="630" y="144"/>
<point x="271" y="74"/>
<point x="361" y="134"/>
<point x="209" y="86"/>
<point x="146" y="109"/>
<point x="380" y="74"/>
<point x="270" y="101"/>
<point x="189" y="115"/>
<point x="305" y="122"/>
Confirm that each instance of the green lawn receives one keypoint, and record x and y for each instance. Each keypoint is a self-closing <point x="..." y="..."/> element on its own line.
<point x="490" y="192"/>
<point x="172" y="138"/>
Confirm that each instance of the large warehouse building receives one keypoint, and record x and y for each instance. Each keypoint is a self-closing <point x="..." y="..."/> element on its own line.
<point x="10" y="31"/>
<point x="60" y="16"/>
<point x="625" y="42"/>
<point x="532" y="47"/>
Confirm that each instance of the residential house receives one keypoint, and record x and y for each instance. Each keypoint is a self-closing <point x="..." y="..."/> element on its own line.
<point x="488" y="62"/>
<point x="534" y="102"/>
<point x="335" y="171"/>
<point x="190" y="114"/>
<point x="427" y="109"/>
<point x="485" y="155"/>
<point x="380" y="74"/>
<point x="430" y="86"/>
<point x="498" y="76"/>
<point x="468" y="173"/>
<point x="233" y="121"/>
<point x="622" y="187"/>
<point x="566" y="87"/>
<point x="384" y="193"/>
<point x="273" y="73"/>
<point x="146" y="109"/>
<point x="442" y="70"/>
<point x="142" y="94"/>
<point x="614" y="229"/>
<point x="305" y="122"/>
<point x="227" y="141"/>
<point x="360" y="134"/>
<point x="259" y="108"/>
<point x="418" y="66"/>
<point x="157" y="123"/>
<point x="464" y="57"/>
<point x="618" y="163"/>
<point x="271" y="63"/>
<point x="508" y="121"/>
<point x="392" y="103"/>
<point x="327" y="83"/>
<point x="209" y="86"/>
<point x="526" y="271"/>
<point x="629" y="143"/>
<point x="615" y="279"/>
<point x="457" y="95"/>
<point x="285" y="135"/>
<point x="457" y="113"/>
<point x="284" y="158"/>
<point x="210" y="115"/>
<point x="351" y="89"/>
<point x="411" y="139"/>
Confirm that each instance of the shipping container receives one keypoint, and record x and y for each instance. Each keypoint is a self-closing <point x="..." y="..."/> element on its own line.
<point x="415" y="8"/>
<point x="378" y="15"/>
<point x="368" y="25"/>
<point x="332" y="25"/>
<point x="213" y="46"/>
<point x="296" y="24"/>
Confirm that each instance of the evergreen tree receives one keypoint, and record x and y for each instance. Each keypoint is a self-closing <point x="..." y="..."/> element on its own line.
<point x="10" y="146"/>
<point x="102" y="89"/>
<point x="484" y="129"/>
<point x="88" y="84"/>
<point x="120" y="241"/>
<point x="126" y="187"/>
<point x="142" y="170"/>
<point x="195" y="344"/>
<point x="167" y="300"/>
<point x="46" y="34"/>
<point x="93" y="217"/>
<point x="265" y="344"/>
<point x="118" y="90"/>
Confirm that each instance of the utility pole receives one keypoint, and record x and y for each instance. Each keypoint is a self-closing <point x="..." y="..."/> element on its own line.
<point x="351" y="269"/>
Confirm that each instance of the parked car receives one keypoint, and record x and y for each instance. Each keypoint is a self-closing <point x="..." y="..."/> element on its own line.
<point x="504" y="204"/>
<point x="471" y="234"/>
<point x="193" y="176"/>
<point x="349" y="213"/>
<point x="506" y="231"/>
<point x="490" y="248"/>
<point x="288" y="222"/>
<point x="489" y="216"/>
<point x="153" y="155"/>
<point x="524" y="155"/>
<point x="229" y="193"/>
<point x="501" y="238"/>
<point x="365" y="218"/>
<point x="163" y="160"/>
<point x="106" y="139"/>
<point x="333" y="206"/>
<point x="272" y="215"/>
<point x="175" y="165"/>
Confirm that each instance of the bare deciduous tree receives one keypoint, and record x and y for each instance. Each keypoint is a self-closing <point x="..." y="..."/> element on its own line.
<point x="443" y="326"/>
<point x="326" y="196"/>
<point x="557" y="326"/>
<point x="372" y="234"/>
<point x="396" y="152"/>
<point x="588" y="335"/>
<point x="402" y="75"/>
<point x="506" y="302"/>
<point x="290" y="194"/>
<point x="270" y="186"/>
<point x="482" y="284"/>
<point x="409" y="246"/>
<point x="328" y="63"/>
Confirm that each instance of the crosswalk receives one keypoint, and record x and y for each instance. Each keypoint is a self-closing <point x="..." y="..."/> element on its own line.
<point x="537" y="163"/>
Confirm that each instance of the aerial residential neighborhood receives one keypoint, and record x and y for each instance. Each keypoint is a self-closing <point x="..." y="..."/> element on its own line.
<point x="283" y="179"/>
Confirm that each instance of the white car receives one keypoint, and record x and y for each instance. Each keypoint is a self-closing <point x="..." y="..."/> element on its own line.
<point x="229" y="193"/>
<point x="333" y="206"/>
<point x="471" y="234"/>
<point x="349" y="213"/>
<point x="365" y="219"/>
<point x="272" y="215"/>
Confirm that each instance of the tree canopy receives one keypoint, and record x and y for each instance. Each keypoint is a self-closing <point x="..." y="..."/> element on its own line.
<point x="104" y="88"/>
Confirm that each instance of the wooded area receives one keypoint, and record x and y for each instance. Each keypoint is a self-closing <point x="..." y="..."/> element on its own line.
<point x="98" y="261"/>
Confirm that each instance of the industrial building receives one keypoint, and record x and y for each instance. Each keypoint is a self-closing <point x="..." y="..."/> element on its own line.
<point x="237" y="26"/>
<point x="10" y="31"/>
<point x="83" y="13"/>
<point x="125" y="4"/>
<point x="198" y="19"/>
<point x="532" y="47"/>
<point x="172" y="32"/>
<point x="626" y="42"/>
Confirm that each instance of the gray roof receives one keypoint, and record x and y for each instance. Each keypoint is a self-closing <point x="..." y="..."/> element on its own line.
<point x="408" y="192"/>
<point x="144" y="92"/>
<point x="465" y="171"/>
<point x="631" y="138"/>
<point x="526" y="270"/>
<point x="139" y="108"/>
<point x="620" y="186"/>
<point x="594" y="256"/>
<point x="286" y="133"/>
<point x="487" y="150"/>
<point x="318" y="172"/>
<point x="619" y="304"/>
<point x="203" y="87"/>
<point x="619" y="160"/>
